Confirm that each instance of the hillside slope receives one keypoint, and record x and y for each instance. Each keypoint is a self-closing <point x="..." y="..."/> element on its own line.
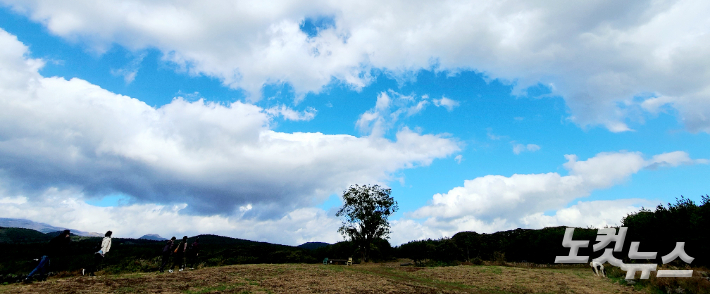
<point x="21" y="235"/>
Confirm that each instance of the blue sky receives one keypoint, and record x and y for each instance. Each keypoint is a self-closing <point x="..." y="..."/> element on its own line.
<point x="251" y="125"/>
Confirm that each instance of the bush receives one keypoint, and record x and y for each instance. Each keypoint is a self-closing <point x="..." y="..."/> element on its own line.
<point x="499" y="258"/>
<point x="693" y="285"/>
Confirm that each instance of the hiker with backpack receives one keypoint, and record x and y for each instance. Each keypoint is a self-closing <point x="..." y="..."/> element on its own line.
<point x="179" y="254"/>
<point x="100" y="253"/>
<point x="167" y="251"/>
<point x="56" y="248"/>
<point x="194" y="252"/>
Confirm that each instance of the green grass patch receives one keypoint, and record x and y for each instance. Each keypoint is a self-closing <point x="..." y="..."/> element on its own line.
<point x="492" y="269"/>
<point x="335" y="268"/>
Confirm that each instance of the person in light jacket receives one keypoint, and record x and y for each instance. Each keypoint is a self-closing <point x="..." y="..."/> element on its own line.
<point x="99" y="255"/>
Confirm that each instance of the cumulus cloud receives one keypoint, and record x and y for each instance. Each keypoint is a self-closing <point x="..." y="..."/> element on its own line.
<point x="673" y="159"/>
<point x="582" y="214"/>
<point x="493" y="202"/>
<point x="518" y="148"/>
<point x="587" y="213"/>
<point x="493" y="196"/>
<point x="215" y="158"/>
<point x="597" y="55"/>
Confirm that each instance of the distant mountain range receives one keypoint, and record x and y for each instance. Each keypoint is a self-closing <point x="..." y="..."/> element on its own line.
<point x="45" y="228"/>
<point x="42" y="227"/>
<point x="154" y="237"/>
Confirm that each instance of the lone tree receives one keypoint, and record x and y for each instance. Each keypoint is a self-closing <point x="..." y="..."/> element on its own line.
<point x="366" y="210"/>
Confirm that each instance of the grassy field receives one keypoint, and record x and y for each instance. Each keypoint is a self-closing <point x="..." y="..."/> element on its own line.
<point x="312" y="278"/>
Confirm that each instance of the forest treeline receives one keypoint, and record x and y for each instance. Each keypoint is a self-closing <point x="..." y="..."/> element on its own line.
<point x="657" y="230"/>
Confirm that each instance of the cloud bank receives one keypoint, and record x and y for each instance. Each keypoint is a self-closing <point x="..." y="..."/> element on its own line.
<point x="215" y="158"/>
<point x="67" y="208"/>
<point x="609" y="60"/>
<point x="492" y="203"/>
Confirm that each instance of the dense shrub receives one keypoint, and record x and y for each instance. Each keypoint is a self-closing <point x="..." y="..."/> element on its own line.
<point x="659" y="230"/>
<point x="380" y="250"/>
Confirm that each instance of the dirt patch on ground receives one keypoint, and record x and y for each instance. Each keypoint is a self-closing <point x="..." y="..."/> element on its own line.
<point x="316" y="278"/>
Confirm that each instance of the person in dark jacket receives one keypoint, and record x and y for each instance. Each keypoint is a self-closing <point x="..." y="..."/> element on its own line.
<point x="194" y="253"/>
<point x="56" y="248"/>
<point x="179" y="254"/>
<point x="167" y="251"/>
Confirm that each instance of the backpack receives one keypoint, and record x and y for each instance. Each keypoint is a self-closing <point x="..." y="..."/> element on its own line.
<point x="167" y="246"/>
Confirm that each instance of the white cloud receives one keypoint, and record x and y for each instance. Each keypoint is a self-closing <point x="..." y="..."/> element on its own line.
<point x="214" y="158"/>
<point x="389" y="108"/>
<point x="597" y="55"/>
<point x="66" y="208"/>
<point x="588" y="213"/>
<point x="673" y="159"/>
<point x="582" y="214"/>
<point x="129" y="71"/>
<point x="446" y="103"/>
<point x="405" y="230"/>
<point x="654" y="105"/>
<point x="518" y="148"/>
<point x="492" y="203"/>
<point x="290" y="114"/>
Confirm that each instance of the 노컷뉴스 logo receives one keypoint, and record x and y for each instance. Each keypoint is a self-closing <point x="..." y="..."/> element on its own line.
<point x="608" y="235"/>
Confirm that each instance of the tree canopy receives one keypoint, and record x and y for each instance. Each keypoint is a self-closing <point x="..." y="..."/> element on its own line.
<point x="365" y="211"/>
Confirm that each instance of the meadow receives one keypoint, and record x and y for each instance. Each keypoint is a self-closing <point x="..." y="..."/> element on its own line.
<point x="514" y="261"/>
<point x="317" y="278"/>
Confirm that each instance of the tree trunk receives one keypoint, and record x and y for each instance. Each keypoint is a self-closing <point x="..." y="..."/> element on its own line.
<point x="366" y="252"/>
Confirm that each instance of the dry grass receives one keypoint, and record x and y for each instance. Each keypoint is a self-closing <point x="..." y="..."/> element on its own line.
<point x="315" y="278"/>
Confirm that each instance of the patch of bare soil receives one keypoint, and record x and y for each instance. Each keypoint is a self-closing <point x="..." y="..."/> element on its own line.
<point x="317" y="278"/>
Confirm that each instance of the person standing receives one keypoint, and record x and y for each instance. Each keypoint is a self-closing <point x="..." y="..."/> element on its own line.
<point x="56" y="248"/>
<point x="99" y="255"/>
<point x="167" y="251"/>
<point x="179" y="257"/>
<point x="194" y="252"/>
